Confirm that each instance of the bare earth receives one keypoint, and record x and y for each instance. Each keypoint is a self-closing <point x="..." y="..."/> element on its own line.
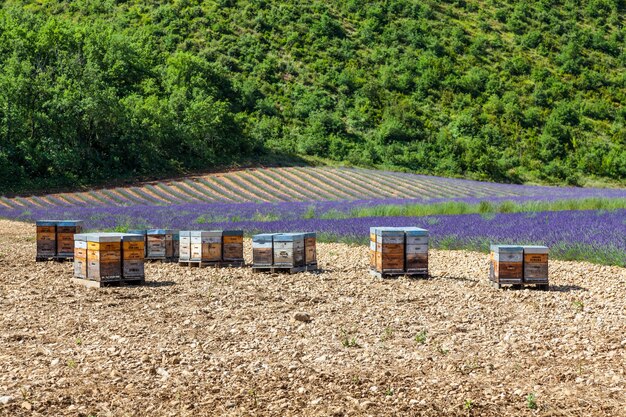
<point x="224" y="342"/>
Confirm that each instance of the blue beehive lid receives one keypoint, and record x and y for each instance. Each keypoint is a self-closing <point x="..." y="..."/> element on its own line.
<point x="288" y="237"/>
<point x="137" y="231"/>
<point x="69" y="223"/>
<point x="264" y="237"/>
<point x="159" y="231"/>
<point x="506" y="248"/>
<point x="390" y="231"/>
<point x="535" y="249"/>
<point x="46" y="222"/>
<point x="185" y="233"/>
<point x="415" y="231"/>
<point x="308" y="235"/>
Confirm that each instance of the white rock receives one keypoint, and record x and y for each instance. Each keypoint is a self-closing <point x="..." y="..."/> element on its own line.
<point x="6" y="399"/>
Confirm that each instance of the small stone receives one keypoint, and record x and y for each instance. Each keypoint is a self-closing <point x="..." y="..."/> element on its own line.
<point x="373" y="388"/>
<point x="316" y="401"/>
<point x="6" y="399"/>
<point x="54" y="362"/>
<point x="302" y="316"/>
<point x="301" y="390"/>
<point x="367" y="404"/>
<point x="27" y="406"/>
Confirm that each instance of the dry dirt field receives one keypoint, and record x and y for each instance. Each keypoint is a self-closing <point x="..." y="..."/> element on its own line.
<point x="197" y="342"/>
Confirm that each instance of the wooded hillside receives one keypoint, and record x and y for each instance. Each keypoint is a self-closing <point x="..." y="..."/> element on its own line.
<point x="500" y="90"/>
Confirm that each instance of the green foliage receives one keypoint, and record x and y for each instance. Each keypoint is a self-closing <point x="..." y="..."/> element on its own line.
<point x="506" y="91"/>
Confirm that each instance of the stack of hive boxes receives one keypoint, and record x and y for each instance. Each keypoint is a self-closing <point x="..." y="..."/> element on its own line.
<point x="143" y="233"/>
<point x="517" y="265"/>
<point x="263" y="249"/>
<point x="310" y="250"/>
<point x="55" y="238"/>
<point x="108" y="257"/>
<point x="211" y="247"/>
<point x="289" y="250"/>
<point x="536" y="265"/>
<point x="232" y="247"/>
<point x="398" y="251"/>
<point x="162" y="244"/>
<point x="46" y="239"/>
<point x="133" y="254"/>
<point x="293" y="251"/>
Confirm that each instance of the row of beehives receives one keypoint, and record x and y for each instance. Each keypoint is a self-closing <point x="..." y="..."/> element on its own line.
<point x="55" y="238"/>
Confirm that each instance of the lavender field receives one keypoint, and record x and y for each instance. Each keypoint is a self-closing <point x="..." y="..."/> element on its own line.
<point x="577" y="223"/>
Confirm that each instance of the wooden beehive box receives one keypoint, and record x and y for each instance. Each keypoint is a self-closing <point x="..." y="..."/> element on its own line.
<point x="65" y="231"/>
<point x="506" y="263"/>
<point x="46" y="239"/>
<point x="310" y="249"/>
<point x="80" y="255"/>
<point x="536" y="264"/>
<point x="263" y="249"/>
<point x="206" y="246"/>
<point x="104" y="256"/>
<point x="416" y="250"/>
<point x="184" y="246"/>
<point x="172" y="238"/>
<point x="390" y="250"/>
<point x="133" y="253"/>
<point x="155" y="239"/>
<point x="232" y="245"/>
<point x="372" y="251"/>
<point x="143" y="233"/>
<point x="289" y="250"/>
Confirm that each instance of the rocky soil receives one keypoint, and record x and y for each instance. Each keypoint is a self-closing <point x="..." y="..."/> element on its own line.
<point x="228" y="342"/>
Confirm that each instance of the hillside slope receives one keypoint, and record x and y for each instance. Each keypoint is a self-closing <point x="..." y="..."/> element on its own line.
<point x="498" y="90"/>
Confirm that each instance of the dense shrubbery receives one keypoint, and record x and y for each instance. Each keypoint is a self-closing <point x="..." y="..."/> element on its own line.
<point x="497" y="90"/>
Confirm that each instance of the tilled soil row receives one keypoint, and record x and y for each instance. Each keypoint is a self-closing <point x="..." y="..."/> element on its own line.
<point x="226" y="342"/>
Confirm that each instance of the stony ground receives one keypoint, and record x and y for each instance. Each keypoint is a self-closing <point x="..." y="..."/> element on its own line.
<point x="226" y="342"/>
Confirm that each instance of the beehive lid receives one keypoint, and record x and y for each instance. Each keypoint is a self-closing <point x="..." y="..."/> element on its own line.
<point x="104" y="237"/>
<point x="159" y="231"/>
<point x="415" y="231"/>
<point x="390" y="231"/>
<point x="137" y="231"/>
<point x="264" y="237"/>
<point x="308" y="235"/>
<point x="373" y="230"/>
<point x="506" y="248"/>
<point x="288" y="237"/>
<point x="536" y="249"/>
<point x="69" y="223"/>
<point x="205" y="233"/>
<point x="233" y="232"/>
<point x="46" y="222"/>
<point x="185" y="233"/>
<point x="82" y="237"/>
<point x="132" y="237"/>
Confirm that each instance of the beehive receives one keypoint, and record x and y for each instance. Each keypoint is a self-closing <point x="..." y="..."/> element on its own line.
<point x="65" y="231"/>
<point x="289" y="250"/>
<point x="263" y="249"/>
<point x="506" y="264"/>
<point x="310" y="249"/>
<point x="390" y="254"/>
<point x="104" y="256"/>
<point x="46" y="238"/>
<point x="184" y="246"/>
<point x="232" y="245"/>
<point x="133" y="253"/>
<point x="156" y="240"/>
<point x="80" y="255"/>
<point x="206" y="246"/>
<point x="141" y="232"/>
<point x="536" y="264"/>
<point x="416" y="250"/>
